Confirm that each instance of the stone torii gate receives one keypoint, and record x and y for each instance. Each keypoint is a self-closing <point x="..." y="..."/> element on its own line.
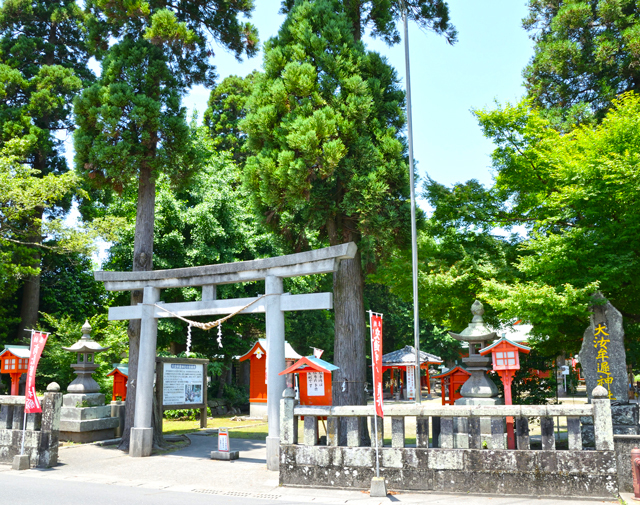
<point x="274" y="305"/>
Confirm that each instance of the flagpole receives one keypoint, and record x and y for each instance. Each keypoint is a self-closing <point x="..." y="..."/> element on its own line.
<point x="414" y="233"/>
<point x="24" y="418"/>
<point x="375" y="415"/>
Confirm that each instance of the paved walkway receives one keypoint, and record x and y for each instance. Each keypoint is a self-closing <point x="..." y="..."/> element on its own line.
<point x="190" y="470"/>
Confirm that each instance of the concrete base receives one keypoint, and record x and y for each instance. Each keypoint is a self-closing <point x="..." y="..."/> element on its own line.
<point x="85" y="437"/>
<point x="225" y="456"/>
<point x="273" y="453"/>
<point x="629" y="498"/>
<point x="141" y="442"/>
<point x="21" y="462"/>
<point x="378" y="488"/>
<point x="258" y="410"/>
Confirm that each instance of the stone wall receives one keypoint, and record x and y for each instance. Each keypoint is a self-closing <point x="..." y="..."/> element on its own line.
<point x="41" y="435"/>
<point x="623" y="446"/>
<point x="532" y="473"/>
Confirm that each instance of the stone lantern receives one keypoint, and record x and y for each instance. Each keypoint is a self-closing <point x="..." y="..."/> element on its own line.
<point x="479" y="389"/>
<point x="85" y="348"/>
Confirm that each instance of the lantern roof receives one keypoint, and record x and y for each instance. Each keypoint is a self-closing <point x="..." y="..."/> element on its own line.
<point x="451" y="372"/>
<point x="123" y="369"/>
<point x="19" y="351"/>
<point x="310" y="364"/>
<point x="477" y="331"/>
<point x="261" y="344"/>
<point x="407" y="357"/>
<point x="86" y="344"/>
<point x="503" y="341"/>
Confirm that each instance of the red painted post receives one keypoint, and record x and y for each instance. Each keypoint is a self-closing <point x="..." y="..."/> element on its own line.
<point x="635" y="470"/>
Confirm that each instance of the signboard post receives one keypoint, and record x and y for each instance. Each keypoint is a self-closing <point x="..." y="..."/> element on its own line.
<point x="375" y="322"/>
<point x="411" y="383"/>
<point x="223" y="440"/>
<point x="181" y="383"/>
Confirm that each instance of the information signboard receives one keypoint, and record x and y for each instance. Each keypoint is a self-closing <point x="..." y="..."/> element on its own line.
<point x="182" y="384"/>
<point x="315" y="384"/>
<point x="223" y="440"/>
<point x="411" y="383"/>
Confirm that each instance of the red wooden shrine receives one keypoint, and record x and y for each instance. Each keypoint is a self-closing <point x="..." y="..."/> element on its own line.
<point x="257" y="357"/>
<point x="120" y="375"/>
<point x="314" y="380"/>
<point x="452" y="381"/>
<point x="14" y="360"/>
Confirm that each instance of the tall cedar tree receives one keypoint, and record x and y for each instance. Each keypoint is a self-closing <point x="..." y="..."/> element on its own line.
<point x="43" y="60"/>
<point x="586" y="52"/>
<point x="381" y="17"/>
<point x="131" y="123"/>
<point x="328" y="162"/>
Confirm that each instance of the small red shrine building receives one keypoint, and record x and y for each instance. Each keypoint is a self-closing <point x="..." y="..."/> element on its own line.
<point x="315" y="388"/>
<point x="405" y="358"/>
<point x="258" y="374"/>
<point x="14" y="360"/>
<point x="452" y="381"/>
<point x="120" y="375"/>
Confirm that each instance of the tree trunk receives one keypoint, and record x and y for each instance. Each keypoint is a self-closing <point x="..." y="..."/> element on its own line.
<point x="142" y="261"/>
<point x="350" y="339"/>
<point x="30" y="303"/>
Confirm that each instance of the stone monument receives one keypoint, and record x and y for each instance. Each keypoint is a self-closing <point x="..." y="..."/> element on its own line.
<point x="84" y="416"/>
<point x="479" y="389"/>
<point x="604" y="363"/>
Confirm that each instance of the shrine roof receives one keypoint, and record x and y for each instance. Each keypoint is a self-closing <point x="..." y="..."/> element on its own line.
<point x="123" y="369"/>
<point x="310" y="364"/>
<point x="289" y="353"/>
<point x="19" y="351"/>
<point x="407" y="357"/>
<point x="451" y="372"/>
<point x="521" y="347"/>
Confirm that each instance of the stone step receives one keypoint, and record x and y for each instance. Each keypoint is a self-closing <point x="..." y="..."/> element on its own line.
<point x="89" y="424"/>
<point x="84" y="413"/>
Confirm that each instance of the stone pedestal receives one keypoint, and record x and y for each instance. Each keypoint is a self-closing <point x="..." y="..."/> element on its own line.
<point x="623" y="417"/>
<point x="85" y="418"/>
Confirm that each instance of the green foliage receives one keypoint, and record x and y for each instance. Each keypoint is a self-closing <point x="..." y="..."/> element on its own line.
<point x="397" y="327"/>
<point x="586" y="52"/>
<point x="132" y="118"/>
<point x="381" y="17"/>
<point x="453" y="264"/>
<point x="226" y="108"/>
<point x="576" y="195"/>
<point x="55" y="363"/>
<point x="323" y="126"/>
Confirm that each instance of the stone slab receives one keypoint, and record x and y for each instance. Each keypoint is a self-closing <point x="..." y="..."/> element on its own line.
<point x="84" y="413"/>
<point x="83" y="400"/>
<point x="85" y="437"/>
<point x="89" y="424"/>
<point x="20" y="462"/>
<point x="225" y="456"/>
<point x="378" y="488"/>
<point x="602" y="356"/>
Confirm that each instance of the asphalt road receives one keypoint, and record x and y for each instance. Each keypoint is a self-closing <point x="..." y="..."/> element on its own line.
<point x="24" y="490"/>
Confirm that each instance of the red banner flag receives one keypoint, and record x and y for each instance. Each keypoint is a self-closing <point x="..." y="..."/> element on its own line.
<point x="31" y="403"/>
<point x="376" y="357"/>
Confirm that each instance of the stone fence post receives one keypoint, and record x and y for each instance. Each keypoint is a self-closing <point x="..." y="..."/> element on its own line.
<point x="50" y="426"/>
<point x="288" y="424"/>
<point x="602" y="425"/>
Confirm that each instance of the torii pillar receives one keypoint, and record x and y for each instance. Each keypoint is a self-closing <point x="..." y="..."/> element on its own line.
<point x="271" y="270"/>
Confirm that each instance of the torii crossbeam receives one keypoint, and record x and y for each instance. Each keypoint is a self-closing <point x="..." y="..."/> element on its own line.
<point x="271" y="270"/>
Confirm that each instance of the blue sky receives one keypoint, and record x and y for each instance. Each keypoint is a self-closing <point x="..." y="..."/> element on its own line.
<point x="447" y="81"/>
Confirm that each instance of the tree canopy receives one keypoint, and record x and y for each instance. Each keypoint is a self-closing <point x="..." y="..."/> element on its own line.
<point x="587" y="52"/>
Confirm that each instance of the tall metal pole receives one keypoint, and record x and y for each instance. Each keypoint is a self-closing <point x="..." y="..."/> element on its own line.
<point x="414" y="237"/>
